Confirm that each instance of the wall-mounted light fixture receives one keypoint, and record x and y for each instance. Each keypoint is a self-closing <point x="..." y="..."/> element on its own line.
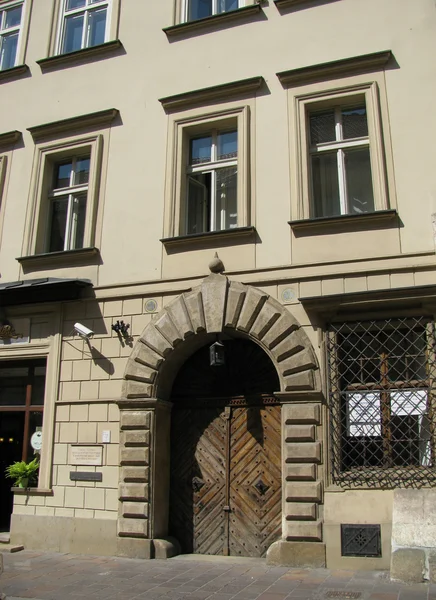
<point x="121" y="328"/>
<point x="217" y="354"/>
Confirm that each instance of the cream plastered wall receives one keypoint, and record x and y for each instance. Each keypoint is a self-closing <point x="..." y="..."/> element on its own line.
<point x="153" y="66"/>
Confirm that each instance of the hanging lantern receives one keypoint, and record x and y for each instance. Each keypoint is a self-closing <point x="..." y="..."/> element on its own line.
<point x="217" y="355"/>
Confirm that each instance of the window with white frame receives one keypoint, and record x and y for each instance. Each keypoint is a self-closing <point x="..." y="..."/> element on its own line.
<point x="84" y="23"/>
<point x="11" y="16"/>
<point x="211" y="187"/>
<point x="340" y="162"/>
<point x="193" y="10"/>
<point x="67" y="214"/>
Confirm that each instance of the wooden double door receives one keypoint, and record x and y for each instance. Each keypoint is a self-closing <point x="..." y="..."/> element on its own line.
<point x="225" y="493"/>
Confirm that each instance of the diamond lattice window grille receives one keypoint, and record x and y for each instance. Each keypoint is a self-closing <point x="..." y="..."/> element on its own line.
<point x="382" y="398"/>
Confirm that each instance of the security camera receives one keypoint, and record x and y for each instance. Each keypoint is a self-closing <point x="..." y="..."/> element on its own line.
<point x="83" y="331"/>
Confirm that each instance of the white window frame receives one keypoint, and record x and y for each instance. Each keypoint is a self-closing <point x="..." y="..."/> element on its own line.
<point x="185" y="8"/>
<point x="42" y="190"/>
<point x="90" y="7"/>
<point x="316" y="98"/>
<point x="179" y="139"/>
<point x="212" y="167"/>
<point x="71" y="193"/>
<point x="338" y="146"/>
<point x="18" y="28"/>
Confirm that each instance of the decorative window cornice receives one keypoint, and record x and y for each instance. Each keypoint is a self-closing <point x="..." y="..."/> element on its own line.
<point x="199" y="24"/>
<point x="336" y="68"/>
<point x="13" y="73"/>
<point x="217" y="92"/>
<point x="97" y="119"/>
<point x="10" y="138"/>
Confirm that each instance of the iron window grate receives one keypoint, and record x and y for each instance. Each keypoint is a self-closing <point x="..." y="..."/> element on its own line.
<point x="361" y="540"/>
<point x="382" y="399"/>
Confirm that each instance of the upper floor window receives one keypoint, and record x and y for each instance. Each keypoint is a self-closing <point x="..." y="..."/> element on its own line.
<point x="10" y="27"/>
<point x="340" y="163"/>
<point x="84" y="23"/>
<point x="211" y="189"/>
<point x="200" y="9"/>
<point x="68" y="204"/>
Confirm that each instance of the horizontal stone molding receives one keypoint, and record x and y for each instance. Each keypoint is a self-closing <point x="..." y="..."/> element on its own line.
<point x="102" y="118"/>
<point x="10" y="138"/>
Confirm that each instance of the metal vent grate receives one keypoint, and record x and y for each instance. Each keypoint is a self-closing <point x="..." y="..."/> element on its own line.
<point x="382" y="397"/>
<point x="361" y="540"/>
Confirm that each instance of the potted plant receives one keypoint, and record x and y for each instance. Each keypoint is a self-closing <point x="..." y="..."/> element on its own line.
<point x="23" y="473"/>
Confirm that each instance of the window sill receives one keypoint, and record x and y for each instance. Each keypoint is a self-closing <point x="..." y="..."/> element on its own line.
<point x="199" y="24"/>
<point x="183" y="242"/>
<point x="323" y="224"/>
<point x="286" y="3"/>
<point x="64" y="258"/>
<point x="13" y="73"/>
<point x="80" y="55"/>
<point x="30" y="491"/>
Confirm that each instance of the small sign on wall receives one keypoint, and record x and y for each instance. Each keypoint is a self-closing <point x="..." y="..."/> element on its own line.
<point x="86" y="455"/>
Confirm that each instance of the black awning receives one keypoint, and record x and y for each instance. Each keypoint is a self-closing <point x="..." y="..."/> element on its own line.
<point x="47" y="289"/>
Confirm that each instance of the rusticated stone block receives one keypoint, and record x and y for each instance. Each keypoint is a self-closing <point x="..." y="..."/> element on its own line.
<point x="214" y="292"/>
<point x="288" y="347"/>
<point x="194" y="305"/>
<point x="299" y="382"/>
<point x="280" y="330"/>
<point x="135" y="419"/>
<point x="139" y="372"/>
<point x="297" y="554"/>
<point x="304" y="452"/>
<point x="301" y="413"/>
<point x="407" y="565"/>
<point x="300" y="511"/>
<point x="180" y="317"/>
<point x="133" y="527"/>
<point x="137" y="510"/>
<point x="134" y="491"/>
<point x="135" y="438"/>
<point x="300" y="472"/>
<point x="156" y="341"/>
<point x="303" y="530"/>
<point x="265" y="320"/>
<point x="235" y="300"/>
<point x="147" y="356"/>
<point x="304" y="491"/>
<point x="300" y="433"/>
<point x="136" y="389"/>
<point x="134" y="456"/>
<point x="135" y="548"/>
<point x="135" y="474"/>
<point x="254" y="301"/>
<point x="168" y="329"/>
<point x="302" y="361"/>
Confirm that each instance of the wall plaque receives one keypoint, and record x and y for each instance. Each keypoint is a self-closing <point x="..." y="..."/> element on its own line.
<point x="85" y="476"/>
<point x="86" y="455"/>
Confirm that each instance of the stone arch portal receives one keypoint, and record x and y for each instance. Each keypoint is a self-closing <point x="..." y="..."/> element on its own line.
<point x="217" y="306"/>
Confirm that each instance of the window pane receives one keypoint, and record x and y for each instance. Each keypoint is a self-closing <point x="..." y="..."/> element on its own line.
<point x="199" y="9"/>
<point x="82" y="170"/>
<point x="201" y="150"/>
<point x="226" y="199"/>
<point x="325" y="185"/>
<point x="13" y="17"/>
<point x="226" y="5"/>
<point x="227" y="145"/>
<point x="38" y="386"/>
<point x="58" y="224"/>
<point x="13" y="382"/>
<point x="322" y="127"/>
<point x="199" y="188"/>
<point x="359" y="181"/>
<point x="73" y="33"/>
<point x="78" y="224"/>
<point x="63" y="175"/>
<point x="96" y="27"/>
<point x="354" y="123"/>
<point x="9" y="45"/>
<point x="71" y="4"/>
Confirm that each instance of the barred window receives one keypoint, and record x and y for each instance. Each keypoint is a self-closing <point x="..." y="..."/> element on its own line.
<point x="382" y="402"/>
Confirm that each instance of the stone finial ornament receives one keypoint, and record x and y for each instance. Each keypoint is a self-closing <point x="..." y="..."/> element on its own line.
<point x="216" y="265"/>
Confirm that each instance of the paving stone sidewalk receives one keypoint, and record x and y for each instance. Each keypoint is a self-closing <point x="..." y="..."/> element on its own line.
<point x="47" y="576"/>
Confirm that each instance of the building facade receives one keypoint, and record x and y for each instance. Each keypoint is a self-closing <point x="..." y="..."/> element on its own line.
<point x="217" y="284"/>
